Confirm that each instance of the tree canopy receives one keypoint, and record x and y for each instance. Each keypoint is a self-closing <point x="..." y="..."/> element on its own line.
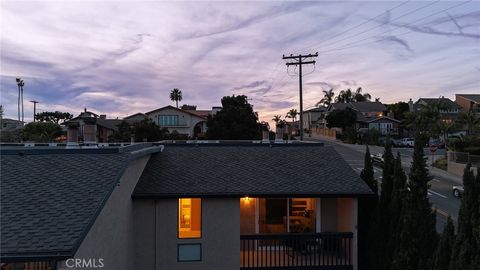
<point x="235" y="121"/>
<point x="41" y="131"/>
<point x="188" y="107"/>
<point x="54" y="117"/>
<point x="341" y="118"/>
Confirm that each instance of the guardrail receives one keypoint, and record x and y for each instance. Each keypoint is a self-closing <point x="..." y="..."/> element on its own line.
<point x="297" y="251"/>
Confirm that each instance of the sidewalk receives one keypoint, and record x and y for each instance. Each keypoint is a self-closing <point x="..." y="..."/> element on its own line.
<point x="435" y="172"/>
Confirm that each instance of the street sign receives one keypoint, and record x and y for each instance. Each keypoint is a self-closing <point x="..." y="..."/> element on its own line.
<point x="433" y="148"/>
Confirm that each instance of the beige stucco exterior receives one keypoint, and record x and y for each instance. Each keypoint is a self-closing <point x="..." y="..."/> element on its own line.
<point x="186" y="121"/>
<point x="111" y="237"/>
<point x="156" y="235"/>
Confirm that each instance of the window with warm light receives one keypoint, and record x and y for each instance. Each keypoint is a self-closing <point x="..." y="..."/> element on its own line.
<point x="189" y="218"/>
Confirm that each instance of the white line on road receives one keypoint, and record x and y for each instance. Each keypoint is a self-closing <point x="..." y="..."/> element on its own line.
<point x="436" y="193"/>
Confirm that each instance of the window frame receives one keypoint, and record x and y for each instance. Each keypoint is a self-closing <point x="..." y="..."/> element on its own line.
<point x="166" y="116"/>
<point x="201" y="218"/>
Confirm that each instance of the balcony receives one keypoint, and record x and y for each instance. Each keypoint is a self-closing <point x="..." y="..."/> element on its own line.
<point x="297" y="251"/>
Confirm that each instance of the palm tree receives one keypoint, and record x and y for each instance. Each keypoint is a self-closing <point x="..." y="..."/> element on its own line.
<point x="470" y="120"/>
<point x="277" y="119"/>
<point x="358" y="96"/>
<point x="345" y="96"/>
<point x="292" y="114"/>
<point x="327" y="98"/>
<point x="176" y="95"/>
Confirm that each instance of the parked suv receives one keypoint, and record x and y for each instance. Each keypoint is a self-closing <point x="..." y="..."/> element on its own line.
<point x="408" y="142"/>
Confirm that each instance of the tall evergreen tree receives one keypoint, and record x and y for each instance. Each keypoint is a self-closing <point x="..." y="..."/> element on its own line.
<point x="466" y="250"/>
<point x="441" y="258"/>
<point x="381" y="258"/>
<point x="367" y="207"/>
<point x="396" y="207"/>
<point x="418" y="236"/>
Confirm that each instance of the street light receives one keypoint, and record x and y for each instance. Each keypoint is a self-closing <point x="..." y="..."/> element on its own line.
<point x="20" y="85"/>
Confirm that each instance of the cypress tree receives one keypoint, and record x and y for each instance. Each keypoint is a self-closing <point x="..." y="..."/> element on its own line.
<point x="366" y="209"/>
<point x="418" y="237"/>
<point x="396" y="208"/>
<point x="382" y="258"/>
<point x="441" y="258"/>
<point x="466" y="250"/>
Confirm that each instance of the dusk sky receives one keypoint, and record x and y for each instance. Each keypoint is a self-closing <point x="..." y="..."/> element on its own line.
<point x="120" y="58"/>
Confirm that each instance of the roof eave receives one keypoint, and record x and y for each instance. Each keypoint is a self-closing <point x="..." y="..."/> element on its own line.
<point x="141" y="196"/>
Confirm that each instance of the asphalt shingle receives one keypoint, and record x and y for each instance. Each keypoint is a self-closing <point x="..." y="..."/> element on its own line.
<point x="225" y="170"/>
<point x="49" y="199"/>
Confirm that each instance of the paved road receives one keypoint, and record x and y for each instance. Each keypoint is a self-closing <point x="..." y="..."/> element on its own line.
<point x="440" y="192"/>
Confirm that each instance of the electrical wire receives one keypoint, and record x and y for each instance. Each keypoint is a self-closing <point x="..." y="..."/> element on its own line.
<point x="356" y="26"/>
<point x="380" y="25"/>
<point x="355" y="43"/>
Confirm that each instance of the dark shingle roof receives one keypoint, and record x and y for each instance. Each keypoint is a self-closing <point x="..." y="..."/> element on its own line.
<point x="208" y="170"/>
<point x="50" y="199"/>
<point x="369" y="106"/>
<point x="436" y="101"/>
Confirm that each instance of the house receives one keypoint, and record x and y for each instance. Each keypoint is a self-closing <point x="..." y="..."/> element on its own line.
<point x="312" y="117"/>
<point x="10" y="124"/>
<point x="468" y="102"/>
<point x="179" y="206"/>
<point x="93" y="128"/>
<point x="192" y="123"/>
<point x="448" y="109"/>
<point x="370" y="115"/>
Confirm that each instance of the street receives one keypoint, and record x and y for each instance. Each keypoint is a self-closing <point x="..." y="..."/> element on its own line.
<point x="440" y="192"/>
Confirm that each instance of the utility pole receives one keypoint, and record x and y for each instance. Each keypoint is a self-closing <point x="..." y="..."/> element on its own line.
<point x="299" y="60"/>
<point x="34" y="108"/>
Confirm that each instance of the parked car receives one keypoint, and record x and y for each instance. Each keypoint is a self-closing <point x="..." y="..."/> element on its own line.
<point x="408" y="142"/>
<point x="396" y="142"/>
<point x="457" y="191"/>
<point x="377" y="159"/>
<point x="437" y="143"/>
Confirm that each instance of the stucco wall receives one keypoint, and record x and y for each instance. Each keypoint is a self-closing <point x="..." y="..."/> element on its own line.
<point x="186" y="121"/>
<point x="111" y="236"/>
<point x="220" y="235"/>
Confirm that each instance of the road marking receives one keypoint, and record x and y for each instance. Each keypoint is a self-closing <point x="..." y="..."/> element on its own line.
<point x="436" y="180"/>
<point x="436" y="193"/>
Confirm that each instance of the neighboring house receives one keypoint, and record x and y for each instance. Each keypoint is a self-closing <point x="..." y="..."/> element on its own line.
<point x="192" y="123"/>
<point x="468" y="102"/>
<point x="93" y="127"/>
<point x="10" y="124"/>
<point x="370" y="115"/>
<point x="448" y="109"/>
<point x="207" y="206"/>
<point x="312" y="118"/>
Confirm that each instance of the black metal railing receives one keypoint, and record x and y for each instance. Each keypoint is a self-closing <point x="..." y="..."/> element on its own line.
<point x="297" y="251"/>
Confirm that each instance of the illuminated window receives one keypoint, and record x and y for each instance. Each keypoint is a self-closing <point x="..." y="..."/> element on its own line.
<point x="189" y="218"/>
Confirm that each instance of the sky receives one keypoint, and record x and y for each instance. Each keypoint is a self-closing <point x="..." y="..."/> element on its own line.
<point x="120" y="58"/>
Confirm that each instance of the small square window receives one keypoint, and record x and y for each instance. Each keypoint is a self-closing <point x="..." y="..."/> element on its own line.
<point x="189" y="252"/>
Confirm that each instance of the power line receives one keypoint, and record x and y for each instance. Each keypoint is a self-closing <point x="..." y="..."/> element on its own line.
<point x="377" y="26"/>
<point x="356" y="26"/>
<point x="355" y="43"/>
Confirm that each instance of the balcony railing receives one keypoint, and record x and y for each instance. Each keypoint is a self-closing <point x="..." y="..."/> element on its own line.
<point x="296" y="251"/>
